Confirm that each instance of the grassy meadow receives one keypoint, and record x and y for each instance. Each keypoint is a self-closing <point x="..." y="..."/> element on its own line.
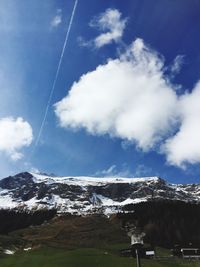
<point x="51" y="257"/>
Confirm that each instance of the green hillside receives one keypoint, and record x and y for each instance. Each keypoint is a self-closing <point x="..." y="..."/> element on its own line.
<point x="73" y="241"/>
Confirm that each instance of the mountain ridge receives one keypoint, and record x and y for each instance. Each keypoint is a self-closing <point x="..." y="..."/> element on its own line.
<point x="84" y="195"/>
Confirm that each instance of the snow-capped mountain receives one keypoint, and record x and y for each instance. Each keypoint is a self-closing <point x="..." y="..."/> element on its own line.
<point x="84" y="195"/>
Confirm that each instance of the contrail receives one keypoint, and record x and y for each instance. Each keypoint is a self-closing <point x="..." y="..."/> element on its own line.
<point x="56" y="76"/>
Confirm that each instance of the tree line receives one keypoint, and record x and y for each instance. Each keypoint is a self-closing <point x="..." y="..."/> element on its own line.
<point x="165" y="223"/>
<point x="11" y="220"/>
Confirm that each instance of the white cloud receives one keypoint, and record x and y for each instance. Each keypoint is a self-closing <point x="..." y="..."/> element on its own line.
<point x="111" y="22"/>
<point x="57" y="19"/>
<point x="131" y="98"/>
<point x="14" y="135"/>
<point x="184" y="147"/>
<point x="128" y="98"/>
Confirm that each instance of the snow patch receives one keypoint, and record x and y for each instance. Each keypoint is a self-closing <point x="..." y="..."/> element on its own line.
<point x="9" y="252"/>
<point x="86" y="180"/>
<point x="27" y="249"/>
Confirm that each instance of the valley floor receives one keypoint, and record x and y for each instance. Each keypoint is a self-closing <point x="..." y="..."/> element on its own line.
<point x="49" y="257"/>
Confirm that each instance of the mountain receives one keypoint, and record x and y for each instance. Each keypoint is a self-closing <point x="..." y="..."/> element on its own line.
<point x="84" y="195"/>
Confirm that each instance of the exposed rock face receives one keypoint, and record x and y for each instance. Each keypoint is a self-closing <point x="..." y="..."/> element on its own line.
<point x="87" y="194"/>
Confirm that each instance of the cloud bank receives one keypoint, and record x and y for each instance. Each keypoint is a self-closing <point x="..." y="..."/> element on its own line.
<point x="14" y="135"/>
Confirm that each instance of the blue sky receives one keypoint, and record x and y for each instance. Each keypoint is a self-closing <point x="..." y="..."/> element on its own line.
<point x="133" y="113"/>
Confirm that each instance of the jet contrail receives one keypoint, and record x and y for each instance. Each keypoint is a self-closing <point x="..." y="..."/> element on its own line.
<point x="56" y="76"/>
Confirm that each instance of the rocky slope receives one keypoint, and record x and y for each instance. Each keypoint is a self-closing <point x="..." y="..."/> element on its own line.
<point x="83" y="195"/>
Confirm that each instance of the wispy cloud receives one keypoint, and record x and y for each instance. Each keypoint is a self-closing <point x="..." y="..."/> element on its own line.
<point x="111" y="24"/>
<point x="106" y="172"/>
<point x="57" y="19"/>
<point x="177" y="64"/>
<point x="14" y="135"/>
<point x="143" y="171"/>
<point x="113" y="171"/>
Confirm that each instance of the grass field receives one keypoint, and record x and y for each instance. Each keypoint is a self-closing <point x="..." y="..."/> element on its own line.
<point x="49" y="257"/>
